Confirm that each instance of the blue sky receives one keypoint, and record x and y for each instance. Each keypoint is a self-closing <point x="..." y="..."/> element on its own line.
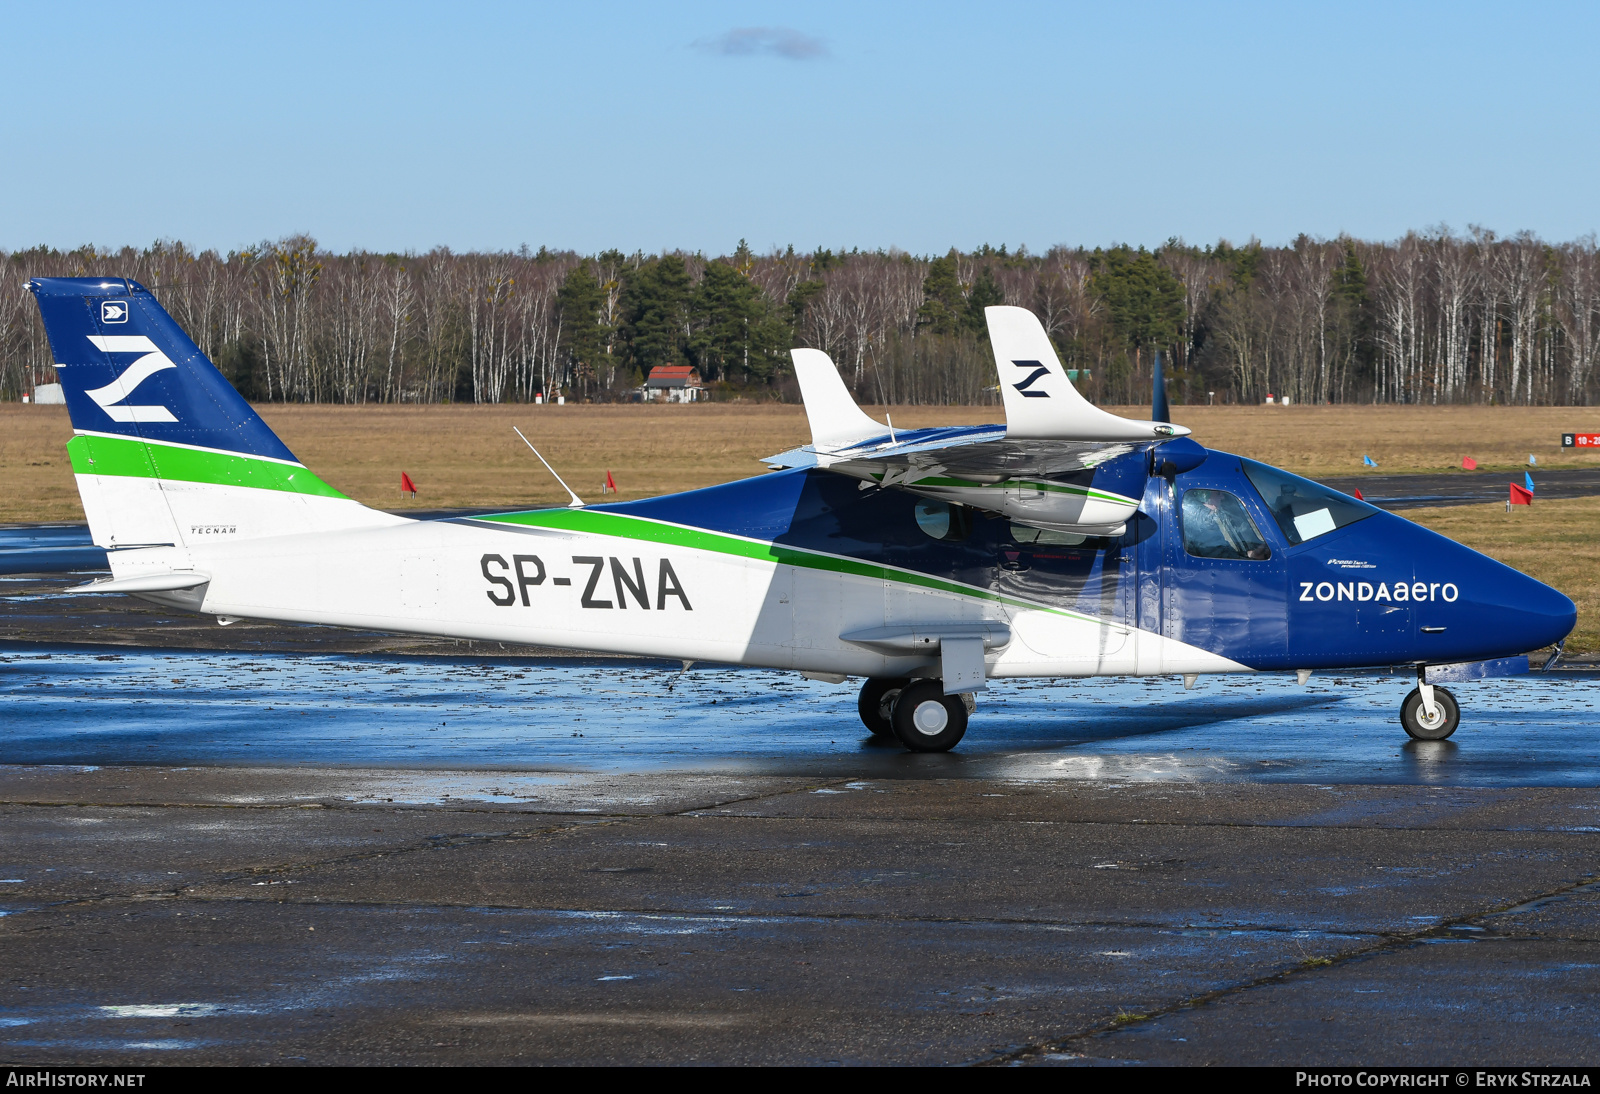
<point x="484" y="126"/>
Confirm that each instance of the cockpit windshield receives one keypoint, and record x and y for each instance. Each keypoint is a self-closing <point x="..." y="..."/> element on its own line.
<point x="1302" y="508"/>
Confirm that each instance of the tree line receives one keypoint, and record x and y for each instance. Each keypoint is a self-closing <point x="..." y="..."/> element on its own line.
<point x="1435" y="317"/>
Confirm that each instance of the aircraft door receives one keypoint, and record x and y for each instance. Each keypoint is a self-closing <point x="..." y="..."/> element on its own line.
<point x="1224" y="588"/>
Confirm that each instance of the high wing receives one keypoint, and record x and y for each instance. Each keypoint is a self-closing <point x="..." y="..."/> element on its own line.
<point x="1037" y="469"/>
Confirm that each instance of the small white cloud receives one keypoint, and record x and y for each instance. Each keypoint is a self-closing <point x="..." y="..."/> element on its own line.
<point x="784" y="42"/>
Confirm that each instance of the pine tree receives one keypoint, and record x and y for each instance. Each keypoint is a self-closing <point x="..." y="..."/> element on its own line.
<point x="734" y="329"/>
<point x="943" y="303"/>
<point x="578" y="302"/>
<point x="1144" y="299"/>
<point x="985" y="294"/>
<point x="800" y="298"/>
<point x="655" y="313"/>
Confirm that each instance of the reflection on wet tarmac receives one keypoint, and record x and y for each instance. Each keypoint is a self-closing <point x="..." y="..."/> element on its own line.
<point x="93" y="706"/>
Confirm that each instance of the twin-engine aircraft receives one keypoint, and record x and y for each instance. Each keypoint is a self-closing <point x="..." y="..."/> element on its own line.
<point x="1068" y="542"/>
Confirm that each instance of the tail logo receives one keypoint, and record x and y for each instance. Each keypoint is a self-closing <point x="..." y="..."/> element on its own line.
<point x="113" y="311"/>
<point x="1038" y="371"/>
<point x="109" y="397"/>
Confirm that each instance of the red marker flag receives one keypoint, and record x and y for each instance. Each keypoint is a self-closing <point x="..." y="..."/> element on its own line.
<point x="1519" y="496"/>
<point x="1358" y="494"/>
<point x="611" y="483"/>
<point x="1469" y="464"/>
<point x="406" y="485"/>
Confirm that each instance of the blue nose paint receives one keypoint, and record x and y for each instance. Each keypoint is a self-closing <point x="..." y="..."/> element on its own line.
<point x="1336" y="583"/>
<point x="1389" y="590"/>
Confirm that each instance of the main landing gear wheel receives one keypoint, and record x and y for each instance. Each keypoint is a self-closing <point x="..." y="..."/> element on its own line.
<point x="926" y="719"/>
<point x="1422" y="728"/>
<point x="877" y="702"/>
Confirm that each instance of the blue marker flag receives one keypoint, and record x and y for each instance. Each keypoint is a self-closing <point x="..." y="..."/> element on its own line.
<point x="1369" y="461"/>
<point x="1527" y="478"/>
<point x="1533" y="461"/>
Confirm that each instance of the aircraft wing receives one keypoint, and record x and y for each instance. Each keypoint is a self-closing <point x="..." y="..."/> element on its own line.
<point x="1038" y="468"/>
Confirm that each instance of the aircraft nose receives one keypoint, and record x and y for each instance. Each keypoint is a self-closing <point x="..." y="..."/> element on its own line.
<point x="1512" y="612"/>
<point x="1545" y="615"/>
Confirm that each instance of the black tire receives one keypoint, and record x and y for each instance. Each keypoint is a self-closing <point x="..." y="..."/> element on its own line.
<point x="926" y="719"/>
<point x="1415" y="721"/>
<point x="877" y="701"/>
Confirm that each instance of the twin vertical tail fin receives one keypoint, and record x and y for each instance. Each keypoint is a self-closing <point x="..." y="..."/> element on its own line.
<point x="1041" y="403"/>
<point x="835" y="419"/>
<point x="165" y="451"/>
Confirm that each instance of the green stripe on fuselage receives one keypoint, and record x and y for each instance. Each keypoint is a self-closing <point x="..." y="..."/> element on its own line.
<point x="644" y="529"/>
<point x="129" y="458"/>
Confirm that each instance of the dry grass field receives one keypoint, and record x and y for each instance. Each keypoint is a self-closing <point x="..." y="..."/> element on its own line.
<point x="468" y="456"/>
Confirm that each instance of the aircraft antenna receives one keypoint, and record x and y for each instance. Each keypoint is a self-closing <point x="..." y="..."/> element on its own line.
<point x="576" y="502"/>
<point x="890" y="420"/>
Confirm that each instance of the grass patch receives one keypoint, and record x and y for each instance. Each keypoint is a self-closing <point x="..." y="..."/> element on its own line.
<point x="467" y="455"/>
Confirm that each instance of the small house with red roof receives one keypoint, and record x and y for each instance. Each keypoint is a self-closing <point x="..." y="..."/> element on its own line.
<point x="673" y="384"/>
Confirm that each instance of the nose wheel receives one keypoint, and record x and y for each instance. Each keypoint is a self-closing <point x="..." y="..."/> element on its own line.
<point x="1430" y="725"/>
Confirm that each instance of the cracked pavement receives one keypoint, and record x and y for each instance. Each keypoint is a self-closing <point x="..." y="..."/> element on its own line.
<point x="339" y="915"/>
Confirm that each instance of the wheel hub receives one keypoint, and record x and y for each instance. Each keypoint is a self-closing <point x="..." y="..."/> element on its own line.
<point x="930" y="717"/>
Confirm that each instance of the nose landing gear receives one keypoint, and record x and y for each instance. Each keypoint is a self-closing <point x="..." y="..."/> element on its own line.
<point x="917" y="713"/>
<point x="1423" y="723"/>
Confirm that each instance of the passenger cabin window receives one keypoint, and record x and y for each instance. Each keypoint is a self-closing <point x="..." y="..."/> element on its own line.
<point x="1302" y="508"/>
<point x="941" y="520"/>
<point x="1215" y="525"/>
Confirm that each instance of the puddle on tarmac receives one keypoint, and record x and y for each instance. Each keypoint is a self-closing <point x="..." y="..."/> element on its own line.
<point x="94" y="706"/>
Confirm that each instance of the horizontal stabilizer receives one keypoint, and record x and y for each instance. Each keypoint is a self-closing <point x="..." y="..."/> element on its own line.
<point x="1041" y="403"/>
<point x="836" y="421"/>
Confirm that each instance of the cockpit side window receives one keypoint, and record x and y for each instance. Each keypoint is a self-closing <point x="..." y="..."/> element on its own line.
<point x="1302" y="508"/>
<point x="1216" y="525"/>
